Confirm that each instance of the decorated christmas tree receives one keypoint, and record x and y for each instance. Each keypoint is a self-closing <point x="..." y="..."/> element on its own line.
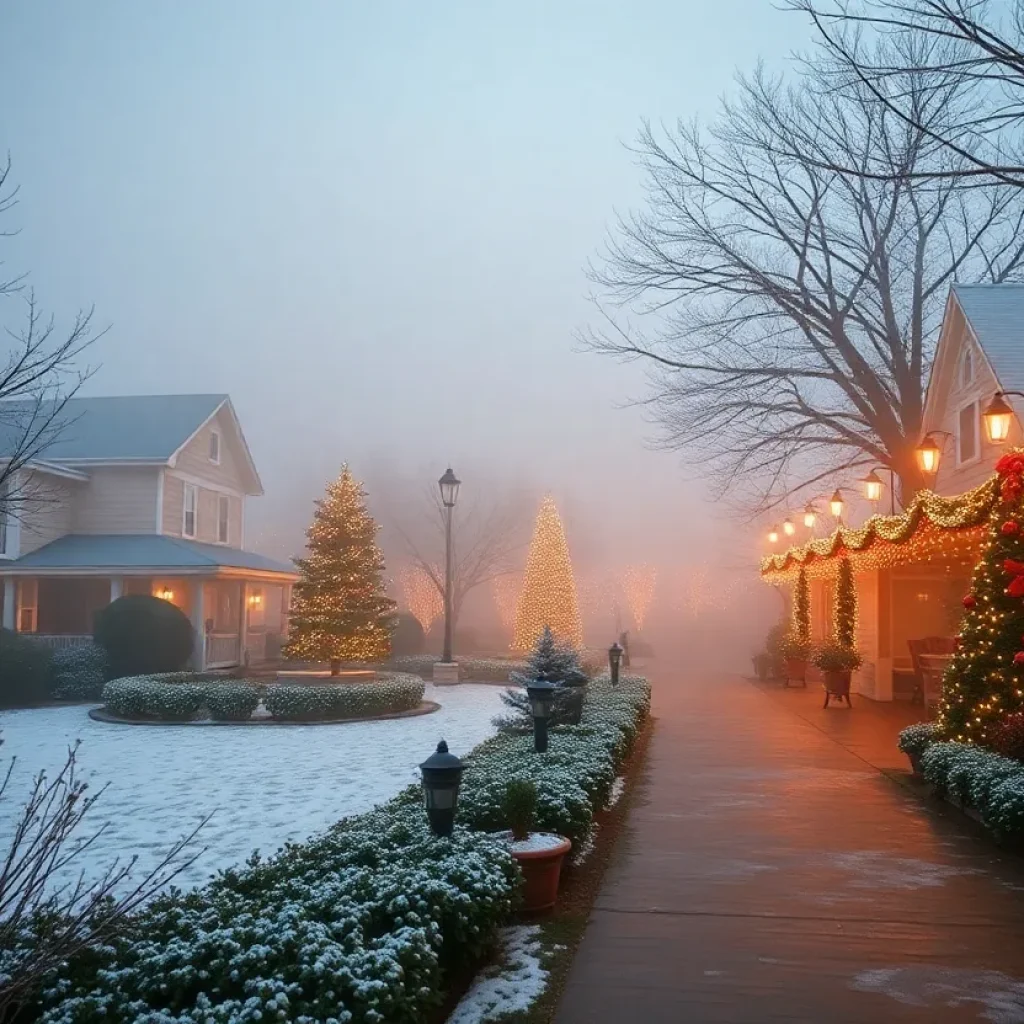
<point x="339" y="609"/>
<point x="548" y="597"/>
<point x="985" y="680"/>
<point x="556" y="663"/>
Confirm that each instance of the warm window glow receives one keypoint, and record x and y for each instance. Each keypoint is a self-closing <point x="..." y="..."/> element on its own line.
<point x="165" y="594"/>
<point x="998" y="416"/>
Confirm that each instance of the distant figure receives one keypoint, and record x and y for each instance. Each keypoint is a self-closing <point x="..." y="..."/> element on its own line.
<point x="624" y="644"/>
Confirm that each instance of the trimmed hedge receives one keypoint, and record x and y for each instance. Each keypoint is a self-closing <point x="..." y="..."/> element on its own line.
<point x="917" y="738"/>
<point x="365" y="924"/>
<point x="78" y="673"/>
<point x="180" y="696"/>
<point x="24" y="670"/>
<point x="484" y="670"/>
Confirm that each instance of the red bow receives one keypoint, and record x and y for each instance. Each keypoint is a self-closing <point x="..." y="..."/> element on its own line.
<point x="1011" y="468"/>
<point x="1016" y="570"/>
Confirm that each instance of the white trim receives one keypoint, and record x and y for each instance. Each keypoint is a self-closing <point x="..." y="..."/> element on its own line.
<point x="977" y="433"/>
<point x="118" y="460"/>
<point x="220" y="571"/>
<point x="12" y="545"/>
<point x="213" y="434"/>
<point x="160" y="501"/>
<point x="190" y="489"/>
<point x="54" y="469"/>
<point x="226" y="405"/>
<point x="206" y="485"/>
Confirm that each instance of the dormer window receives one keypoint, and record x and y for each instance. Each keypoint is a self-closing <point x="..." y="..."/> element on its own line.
<point x="967" y="368"/>
<point x="215" y="447"/>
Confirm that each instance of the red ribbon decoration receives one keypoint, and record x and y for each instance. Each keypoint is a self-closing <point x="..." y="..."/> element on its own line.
<point x="1011" y="468"/>
<point x="1016" y="570"/>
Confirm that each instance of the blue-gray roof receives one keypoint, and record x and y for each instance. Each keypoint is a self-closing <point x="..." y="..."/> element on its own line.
<point x="142" y="551"/>
<point x="144" y="427"/>
<point x="996" y="315"/>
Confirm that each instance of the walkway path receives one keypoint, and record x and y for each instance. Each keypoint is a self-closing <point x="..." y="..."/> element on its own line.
<point x="770" y="873"/>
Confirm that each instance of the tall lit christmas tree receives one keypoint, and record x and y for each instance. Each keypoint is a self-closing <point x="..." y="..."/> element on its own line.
<point x="985" y="680"/>
<point x="548" y="597"/>
<point x="340" y="611"/>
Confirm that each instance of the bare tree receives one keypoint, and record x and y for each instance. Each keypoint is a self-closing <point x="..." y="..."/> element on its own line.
<point x="486" y="540"/>
<point x="44" y="917"/>
<point x="787" y="307"/>
<point x="980" y="42"/>
<point x="39" y="373"/>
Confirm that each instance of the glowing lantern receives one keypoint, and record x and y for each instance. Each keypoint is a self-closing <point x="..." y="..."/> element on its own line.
<point x="835" y="504"/>
<point x="872" y="486"/>
<point x="773" y="535"/>
<point x="998" y="416"/>
<point x="788" y="528"/>
<point x="810" y="516"/>
<point x="928" y="455"/>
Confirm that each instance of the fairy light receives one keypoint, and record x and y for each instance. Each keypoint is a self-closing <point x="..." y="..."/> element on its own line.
<point x="339" y="607"/>
<point x="506" y="590"/>
<point x="422" y="597"/>
<point x="548" y="597"/>
<point x="638" y="585"/>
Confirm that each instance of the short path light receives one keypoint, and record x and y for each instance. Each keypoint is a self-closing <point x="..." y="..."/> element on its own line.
<point x="442" y="773"/>
<point x="542" y="697"/>
<point x="614" y="661"/>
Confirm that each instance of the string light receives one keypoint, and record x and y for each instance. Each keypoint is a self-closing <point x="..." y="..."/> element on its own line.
<point x="506" y="590"/>
<point x="423" y="599"/>
<point x="548" y="597"/>
<point x="339" y="607"/>
<point x="638" y="585"/>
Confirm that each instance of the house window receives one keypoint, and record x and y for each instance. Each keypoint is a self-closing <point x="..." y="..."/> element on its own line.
<point x="223" y="513"/>
<point x="967" y="439"/>
<point x="967" y="368"/>
<point x="257" y="608"/>
<point x="190" y="513"/>
<point x="215" y="447"/>
<point x="28" y="606"/>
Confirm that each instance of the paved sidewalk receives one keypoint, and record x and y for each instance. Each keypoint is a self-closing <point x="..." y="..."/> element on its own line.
<point x="770" y="873"/>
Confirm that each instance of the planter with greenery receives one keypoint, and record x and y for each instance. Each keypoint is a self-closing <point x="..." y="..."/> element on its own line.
<point x="795" y="651"/>
<point x="836" y="664"/>
<point x="915" y="739"/>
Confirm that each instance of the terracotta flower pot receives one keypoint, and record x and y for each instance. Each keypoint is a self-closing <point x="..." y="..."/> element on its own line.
<point x="796" y="671"/>
<point x="540" y="860"/>
<point x="837" y="684"/>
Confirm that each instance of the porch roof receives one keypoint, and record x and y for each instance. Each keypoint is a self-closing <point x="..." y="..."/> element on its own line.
<point x="140" y="554"/>
<point x="931" y="529"/>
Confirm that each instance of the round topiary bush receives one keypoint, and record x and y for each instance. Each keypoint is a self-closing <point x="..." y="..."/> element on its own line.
<point x="407" y="636"/>
<point x="143" y="635"/>
<point x="24" y="670"/>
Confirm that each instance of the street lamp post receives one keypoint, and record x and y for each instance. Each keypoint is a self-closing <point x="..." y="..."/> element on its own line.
<point x="614" y="661"/>
<point x="448" y="671"/>
<point x="442" y="773"/>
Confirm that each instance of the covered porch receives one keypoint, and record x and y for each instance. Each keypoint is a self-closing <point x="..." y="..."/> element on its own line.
<point x="911" y="572"/>
<point x="239" y="613"/>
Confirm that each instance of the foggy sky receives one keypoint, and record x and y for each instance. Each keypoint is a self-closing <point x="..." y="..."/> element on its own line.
<point x="369" y="224"/>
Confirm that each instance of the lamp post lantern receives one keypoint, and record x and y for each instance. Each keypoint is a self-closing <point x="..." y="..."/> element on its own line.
<point x="542" y="696"/>
<point x="449" y="484"/>
<point x="928" y="455"/>
<point x="614" y="661"/>
<point x="810" y="515"/>
<point x="788" y="528"/>
<point x="442" y="773"/>
<point x="835" y="505"/>
<point x="872" y="486"/>
<point x="998" y="417"/>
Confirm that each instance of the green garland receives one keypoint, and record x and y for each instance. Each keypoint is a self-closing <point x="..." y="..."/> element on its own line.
<point x="845" y="620"/>
<point x="802" y="606"/>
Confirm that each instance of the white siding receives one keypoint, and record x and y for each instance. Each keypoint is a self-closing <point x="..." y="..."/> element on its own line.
<point x="194" y="459"/>
<point x="48" y="512"/>
<point x="117" y="499"/>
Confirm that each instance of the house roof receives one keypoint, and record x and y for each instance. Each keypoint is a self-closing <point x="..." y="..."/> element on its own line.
<point x="142" y="552"/>
<point x="996" y="315"/>
<point x="130" y="427"/>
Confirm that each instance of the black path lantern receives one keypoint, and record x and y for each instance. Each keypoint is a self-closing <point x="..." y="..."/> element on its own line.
<point x="614" y="661"/>
<point x="542" y="696"/>
<point x="442" y="773"/>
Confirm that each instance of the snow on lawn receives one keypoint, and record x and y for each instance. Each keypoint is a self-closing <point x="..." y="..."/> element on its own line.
<point x="265" y="785"/>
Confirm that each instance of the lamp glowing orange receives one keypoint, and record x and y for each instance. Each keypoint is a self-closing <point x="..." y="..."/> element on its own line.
<point x="835" y="504"/>
<point x="788" y="528"/>
<point x="165" y="594"/>
<point x="998" y="416"/>
<point x="928" y="455"/>
<point x="872" y="486"/>
<point x="773" y="535"/>
<point x="810" y="516"/>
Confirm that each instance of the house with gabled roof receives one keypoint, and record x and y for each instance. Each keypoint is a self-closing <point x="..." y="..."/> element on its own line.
<point x="141" y="494"/>
<point x="913" y="570"/>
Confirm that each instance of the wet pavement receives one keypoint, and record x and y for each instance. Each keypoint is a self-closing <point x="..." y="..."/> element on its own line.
<point x="773" y="869"/>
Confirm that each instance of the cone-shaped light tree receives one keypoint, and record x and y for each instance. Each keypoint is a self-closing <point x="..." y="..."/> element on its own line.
<point x="548" y="597"/>
<point x="340" y="611"/>
<point x="985" y="680"/>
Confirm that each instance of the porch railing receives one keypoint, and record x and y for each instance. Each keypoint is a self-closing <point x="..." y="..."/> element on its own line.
<point x="222" y="650"/>
<point x="61" y="642"/>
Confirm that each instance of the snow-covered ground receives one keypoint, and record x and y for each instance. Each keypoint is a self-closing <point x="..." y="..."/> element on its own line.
<point x="264" y="785"/>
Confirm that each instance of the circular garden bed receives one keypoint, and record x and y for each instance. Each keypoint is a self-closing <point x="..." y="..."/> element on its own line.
<point x="188" y="698"/>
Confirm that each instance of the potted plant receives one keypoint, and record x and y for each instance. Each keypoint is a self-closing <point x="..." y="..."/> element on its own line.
<point x="795" y="651"/>
<point x="762" y="665"/>
<point x="539" y="854"/>
<point x="915" y="740"/>
<point x="837" y="662"/>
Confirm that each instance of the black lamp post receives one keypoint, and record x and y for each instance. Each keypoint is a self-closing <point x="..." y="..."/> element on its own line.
<point x="449" y="485"/>
<point x="442" y="773"/>
<point x="542" y="697"/>
<point x="614" y="661"/>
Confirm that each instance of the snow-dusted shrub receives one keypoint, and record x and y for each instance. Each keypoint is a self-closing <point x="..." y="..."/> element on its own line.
<point x="484" y="670"/>
<point x="78" y="673"/>
<point x="159" y="697"/>
<point x="916" y="738"/>
<point x="231" y="701"/>
<point x="389" y="693"/>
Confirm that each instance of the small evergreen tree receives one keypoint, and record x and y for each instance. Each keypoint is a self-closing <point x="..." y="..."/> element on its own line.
<point x="340" y="611"/>
<point x="555" y="662"/>
<point x="845" y="615"/>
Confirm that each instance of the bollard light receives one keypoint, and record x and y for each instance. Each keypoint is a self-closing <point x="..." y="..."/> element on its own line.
<point x="614" y="661"/>
<point x="442" y="773"/>
<point x="542" y="698"/>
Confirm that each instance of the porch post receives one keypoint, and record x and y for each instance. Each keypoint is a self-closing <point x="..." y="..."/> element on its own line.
<point x="10" y="602"/>
<point x="243" y="620"/>
<point x="198" y="625"/>
<point x="116" y="588"/>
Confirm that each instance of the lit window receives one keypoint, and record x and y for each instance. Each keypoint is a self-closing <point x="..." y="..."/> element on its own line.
<point x="215" y="447"/>
<point x="967" y="368"/>
<point x="967" y="441"/>
<point x="223" y="511"/>
<point x="190" y="512"/>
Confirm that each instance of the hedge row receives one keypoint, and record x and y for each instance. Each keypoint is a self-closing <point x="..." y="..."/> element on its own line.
<point x="33" y="673"/>
<point x="486" y="670"/>
<point x="182" y="696"/>
<point x="363" y="925"/>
